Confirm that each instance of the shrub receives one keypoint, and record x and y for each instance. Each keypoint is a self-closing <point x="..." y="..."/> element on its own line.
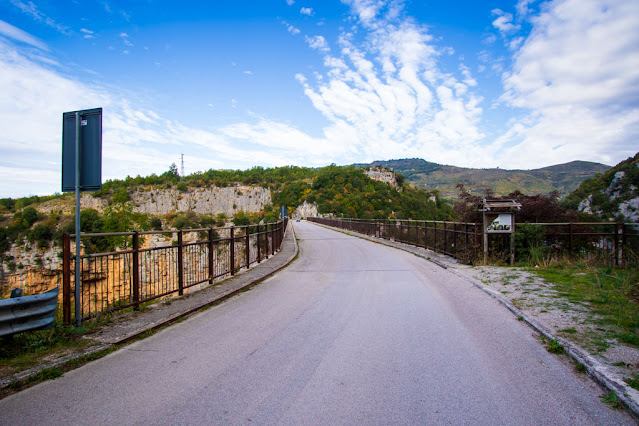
<point x="121" y="195"/>
<point x="156" y="224"/>
<point x="182" y="187"/>
<point x="42" y="234"/>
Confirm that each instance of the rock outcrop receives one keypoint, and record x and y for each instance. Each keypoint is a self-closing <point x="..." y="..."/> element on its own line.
<point x="156" y="201"/>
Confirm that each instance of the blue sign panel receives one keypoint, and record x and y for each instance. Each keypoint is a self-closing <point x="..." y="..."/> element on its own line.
<point x="90" y="150"/>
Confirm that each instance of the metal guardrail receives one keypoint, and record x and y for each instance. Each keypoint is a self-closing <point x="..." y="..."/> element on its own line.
<point x="28" y="312"/>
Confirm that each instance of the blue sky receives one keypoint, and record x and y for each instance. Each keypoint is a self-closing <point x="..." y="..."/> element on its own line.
<point x="514" y="84"/>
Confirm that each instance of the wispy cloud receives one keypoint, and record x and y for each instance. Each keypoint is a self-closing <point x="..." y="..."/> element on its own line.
<point x="388" y="95"/>
<point x="87" y="33"/>
<point x="17" y="34"/>
<point x="31" y="9"/>
<point x="290" y="2"/>
<point x="576" y="76"/>
<point x="126" y="40"/>
<point x="318" y="43"/>
<point x="306" y="11"/>
<point x="290" y="28"/>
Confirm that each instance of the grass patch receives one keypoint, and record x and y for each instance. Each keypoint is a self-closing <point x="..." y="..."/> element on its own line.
<point x="612" y="400"/>
<point x="610" y="293"/>
<point x="633" y="381"/>
<point x="553" y="346"/>
<point x="31" y="348"/>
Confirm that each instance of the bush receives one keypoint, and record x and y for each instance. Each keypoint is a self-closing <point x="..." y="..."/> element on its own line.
<point x="529" y="242"/>
<point x="182" y="187"/>
<point x="121" y="195"/>
<point x="156" y="224"/>
<point x="42" y="234"/>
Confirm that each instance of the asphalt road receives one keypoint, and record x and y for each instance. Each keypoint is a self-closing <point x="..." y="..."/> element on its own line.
<point x="351" y="333"/>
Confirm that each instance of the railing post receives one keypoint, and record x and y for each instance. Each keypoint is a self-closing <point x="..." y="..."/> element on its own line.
<point x="416" y="234"/>
<point x="180" y="263"/>
<point x="445" y="239"/>
<point x="259" y="254"/>
<point x="426" y="234"/>
<point x="455" y="238"/>
<point x="623" y="245"/>
<point x="211" y="257"/>
<point x="66" y="278"/>
<point x="570" y="238"/>
<point x="248" y="242"/>
<point x="435" y="236"/>
<point x="136" y="271"/>
<point x="232" y="250"/>
<point x="616" y="244"/>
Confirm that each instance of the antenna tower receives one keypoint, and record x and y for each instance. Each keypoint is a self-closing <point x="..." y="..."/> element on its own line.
<point x="182" y="165"/>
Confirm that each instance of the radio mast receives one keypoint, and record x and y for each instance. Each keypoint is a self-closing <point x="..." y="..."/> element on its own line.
<point x="182" y="165"/>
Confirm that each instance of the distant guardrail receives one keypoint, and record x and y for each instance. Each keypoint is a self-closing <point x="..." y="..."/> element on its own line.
<point x="27" y="313"/>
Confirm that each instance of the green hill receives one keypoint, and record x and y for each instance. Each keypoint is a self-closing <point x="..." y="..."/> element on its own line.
<point x="612" y="195"/>
<point x="563" y="178"/>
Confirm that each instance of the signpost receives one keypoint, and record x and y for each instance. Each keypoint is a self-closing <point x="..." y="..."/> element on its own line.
<point x="81" y="171"/>
<point x="499" y="218"/>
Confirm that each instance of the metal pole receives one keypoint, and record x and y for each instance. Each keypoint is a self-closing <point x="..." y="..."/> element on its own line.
<point x="78" y="258"/>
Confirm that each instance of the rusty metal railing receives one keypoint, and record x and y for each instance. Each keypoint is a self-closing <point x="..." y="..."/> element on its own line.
<point x="616" y="244"/>
<point x="457" y="239"/>
<point x="158" y="264"/>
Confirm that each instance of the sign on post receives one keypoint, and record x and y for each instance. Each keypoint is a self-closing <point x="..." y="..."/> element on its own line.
<point x="81" y="171"/>
<point x="90" y="155"/>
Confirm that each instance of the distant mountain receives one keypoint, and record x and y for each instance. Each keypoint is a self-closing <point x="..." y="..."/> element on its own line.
<point x="564" y="178"/>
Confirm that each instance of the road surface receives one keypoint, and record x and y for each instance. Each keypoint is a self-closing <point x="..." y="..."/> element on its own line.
<point x="351" y="333"/>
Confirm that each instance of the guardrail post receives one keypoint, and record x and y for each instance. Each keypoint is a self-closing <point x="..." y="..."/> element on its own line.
<point x="136" y="271"/>
<point x="232" y="250"/>
<point x="211" y="257"/>
<point x="66" y="278"/>
<point x="180" y="263"/>
<point x="248" y="260"/>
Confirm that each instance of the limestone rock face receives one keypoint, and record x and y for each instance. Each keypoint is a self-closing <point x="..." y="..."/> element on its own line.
<point x="306" y="210"/>
<point x="227" y="200"/>
<point x="383" y="175"/>
<point x="155" y="201"/>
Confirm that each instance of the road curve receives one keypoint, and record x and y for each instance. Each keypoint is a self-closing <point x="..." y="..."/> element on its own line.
<point x="351" y="333"/>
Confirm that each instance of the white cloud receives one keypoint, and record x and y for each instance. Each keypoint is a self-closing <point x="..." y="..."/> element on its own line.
<point x="290" y="2"/>
<point x="306" y="11"/>
<point x="290" y="28"/>
<point x="31" y="9"/>
<point x="504" y="22"/>
<point x="125" y="40"/>
<point x="576" y="75"/>
<point x="390" y="99"/>
<point x="17" y="34"/>
<point x="318" y="43"/>
<point x="87" y="33"/>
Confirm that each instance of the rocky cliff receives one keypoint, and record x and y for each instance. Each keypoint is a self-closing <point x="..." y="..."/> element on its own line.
<point x="156" y="201"/>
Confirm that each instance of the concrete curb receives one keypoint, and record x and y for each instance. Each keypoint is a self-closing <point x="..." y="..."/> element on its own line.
<point x="596" y="370"/>
<point x="27" y="374"/>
